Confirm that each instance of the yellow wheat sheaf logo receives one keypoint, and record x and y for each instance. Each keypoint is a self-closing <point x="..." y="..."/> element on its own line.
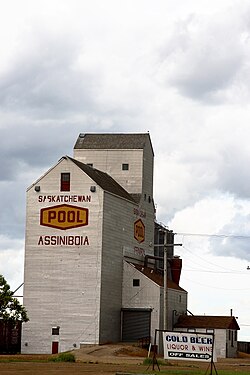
<point x="64" y="216"/>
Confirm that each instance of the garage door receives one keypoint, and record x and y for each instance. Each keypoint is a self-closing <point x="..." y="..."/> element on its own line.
<point x="135" y="324"/>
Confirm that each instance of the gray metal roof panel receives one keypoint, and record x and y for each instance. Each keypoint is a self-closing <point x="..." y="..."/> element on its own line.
<point x="121" y="141"/>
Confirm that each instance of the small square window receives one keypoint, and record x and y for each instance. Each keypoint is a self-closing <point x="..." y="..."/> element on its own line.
<point x="65" y="181"/>
<point x="209" y="330"/>
<point x="55" y="330"/>
<point x="125" y="167"/>
<point x="136" y="282"/>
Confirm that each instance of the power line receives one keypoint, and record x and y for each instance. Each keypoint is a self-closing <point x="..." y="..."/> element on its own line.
<point x="213" y="235"/>
<point x="208" y="262"/>
<point x="200" y="270"/>
<point x="214" y="287"/>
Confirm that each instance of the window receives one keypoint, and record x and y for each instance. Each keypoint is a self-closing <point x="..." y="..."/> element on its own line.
<point x="125" y="167"/>
<point x="232" y="339"/>
<point x="209" y="330"/>
<point x="136" y="282"/>
<point x="90" y="164"/>
<point x="65" y="181"/>
<point x="55" y="330"/>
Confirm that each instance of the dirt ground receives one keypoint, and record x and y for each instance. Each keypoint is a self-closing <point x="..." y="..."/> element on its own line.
<point x="106" y="360"/>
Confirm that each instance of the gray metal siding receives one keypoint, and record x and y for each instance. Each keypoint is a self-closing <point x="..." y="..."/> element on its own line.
<point x="148" y="170"/>
<point x="117" y="232"/>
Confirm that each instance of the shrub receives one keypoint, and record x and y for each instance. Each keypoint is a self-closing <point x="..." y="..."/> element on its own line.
<point x="64" y="357"/>
<point x="149" y="361"/>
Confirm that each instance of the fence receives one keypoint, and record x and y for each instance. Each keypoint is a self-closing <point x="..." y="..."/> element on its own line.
<point x="244" y="346"/>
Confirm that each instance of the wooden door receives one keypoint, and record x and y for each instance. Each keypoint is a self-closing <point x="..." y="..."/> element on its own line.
<point x="55" y="347"/>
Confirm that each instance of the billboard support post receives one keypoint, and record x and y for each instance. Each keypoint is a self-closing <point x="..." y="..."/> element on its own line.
<point x="212" y="365"/>
<point x="154" y="353"/>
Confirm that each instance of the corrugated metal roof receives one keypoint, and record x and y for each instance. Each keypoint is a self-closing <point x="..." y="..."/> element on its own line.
<point x="206" y="321"/>
<point x="112" y="141"/>
<point x="157" y="277"/>
<point x="102" y="179"/>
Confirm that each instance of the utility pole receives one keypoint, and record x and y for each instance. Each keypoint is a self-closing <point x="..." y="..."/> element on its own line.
<point x="165" y="284"/>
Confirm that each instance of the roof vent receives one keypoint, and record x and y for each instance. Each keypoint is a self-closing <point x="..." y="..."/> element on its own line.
<point x="81" y="135"/>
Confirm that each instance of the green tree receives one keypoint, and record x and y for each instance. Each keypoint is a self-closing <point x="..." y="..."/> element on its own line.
<point x="11" y="309"/>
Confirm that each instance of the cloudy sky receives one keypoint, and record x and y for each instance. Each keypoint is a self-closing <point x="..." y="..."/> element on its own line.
<point x="178" y="69"/>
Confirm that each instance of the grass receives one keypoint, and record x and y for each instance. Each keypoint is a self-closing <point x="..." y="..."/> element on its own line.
<point x="193" y="372"/>
<point x="63" y="357"/>
<point x="149" y="361"/>
<point x="16" y="360"/>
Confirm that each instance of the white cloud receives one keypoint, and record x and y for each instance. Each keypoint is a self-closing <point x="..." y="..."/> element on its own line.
<point x="12" y="261"/>
<point x="197" y="59"/>
<point x="225" y="222"/>
<point x="206" y="216"/>
<point x="177" y="69"/>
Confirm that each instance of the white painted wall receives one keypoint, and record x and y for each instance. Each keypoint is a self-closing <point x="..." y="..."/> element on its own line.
<point x="62" y="283"/>
<point x="139" y="177"/>
<point x="151" y="295"/>
<point x="110" y="161"/>
<point x="147" y="295"/>
<point x="79" y="288"/>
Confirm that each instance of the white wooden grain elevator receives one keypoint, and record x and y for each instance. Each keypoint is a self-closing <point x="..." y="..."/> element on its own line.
<point x="89" y="224"/>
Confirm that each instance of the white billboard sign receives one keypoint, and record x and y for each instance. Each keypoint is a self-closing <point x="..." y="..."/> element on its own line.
<point x="188" y="346"/>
